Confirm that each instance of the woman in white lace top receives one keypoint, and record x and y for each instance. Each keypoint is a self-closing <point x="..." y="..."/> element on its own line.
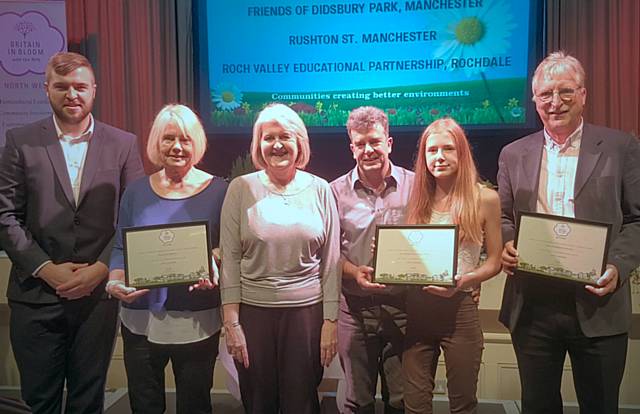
<point x="446" y="191"/>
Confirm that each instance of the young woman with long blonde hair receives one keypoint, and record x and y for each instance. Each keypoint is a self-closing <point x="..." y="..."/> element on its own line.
<point x="446" y="190"/>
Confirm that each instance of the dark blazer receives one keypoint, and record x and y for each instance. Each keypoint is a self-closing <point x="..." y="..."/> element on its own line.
<point x="39" y="218"/>
<point x="607" y="189"/>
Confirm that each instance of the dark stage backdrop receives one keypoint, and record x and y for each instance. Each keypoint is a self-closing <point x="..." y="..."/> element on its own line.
<point x="143" y="53"/>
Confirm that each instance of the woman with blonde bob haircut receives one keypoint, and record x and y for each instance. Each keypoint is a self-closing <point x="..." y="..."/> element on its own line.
<point x="189" y="125"/>
<point x="280" y="284"/>
<point x="446" y="191"/>
<point x="290" y="121"/>
<point x="178" y="323"/>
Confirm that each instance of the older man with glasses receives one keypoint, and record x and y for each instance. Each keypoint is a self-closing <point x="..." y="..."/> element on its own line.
<point x="571" y="169"/>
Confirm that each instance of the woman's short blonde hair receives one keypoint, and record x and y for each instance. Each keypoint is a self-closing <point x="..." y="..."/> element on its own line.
<point x="288" y="119"/>
<point x="187" y="122"/>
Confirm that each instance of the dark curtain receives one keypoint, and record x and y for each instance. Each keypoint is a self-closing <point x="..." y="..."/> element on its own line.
<point x="605" y="37"/>
<point x="142" y="54"/>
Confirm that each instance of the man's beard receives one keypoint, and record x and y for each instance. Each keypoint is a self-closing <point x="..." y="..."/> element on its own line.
<point x="75" y="118"/>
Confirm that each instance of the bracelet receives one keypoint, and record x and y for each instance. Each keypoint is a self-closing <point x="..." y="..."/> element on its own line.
<point x="111" y="284"/>
<point x="233" y="324"/>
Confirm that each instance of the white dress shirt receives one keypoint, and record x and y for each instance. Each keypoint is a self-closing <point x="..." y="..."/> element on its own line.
<point x="558" y="175"/>
<point x="75" y="154"/>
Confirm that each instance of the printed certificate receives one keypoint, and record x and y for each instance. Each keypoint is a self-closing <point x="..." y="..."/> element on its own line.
<point x="562" y="247"/>
<point x="165" y="255"/>
<point x="416" y="255"/>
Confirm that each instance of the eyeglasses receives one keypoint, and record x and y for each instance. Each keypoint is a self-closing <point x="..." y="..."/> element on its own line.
<point x="565" y="94"/>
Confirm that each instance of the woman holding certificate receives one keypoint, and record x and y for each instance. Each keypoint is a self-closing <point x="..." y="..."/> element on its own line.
<point x="280" y="283"/>
<point x="180" y="323"/>
<point x="446" y="191"/>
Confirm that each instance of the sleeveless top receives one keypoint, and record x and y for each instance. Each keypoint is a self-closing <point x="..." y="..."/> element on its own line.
<point x="468" y="251"/>
<point x="432" y="316"/>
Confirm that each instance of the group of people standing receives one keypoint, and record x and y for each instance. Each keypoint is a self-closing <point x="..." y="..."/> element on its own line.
<point x="292" y="283"/>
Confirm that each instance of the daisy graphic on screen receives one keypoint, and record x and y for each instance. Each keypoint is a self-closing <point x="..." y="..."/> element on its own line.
<point x="474" y="33"/>
<point x="226" y="96"/>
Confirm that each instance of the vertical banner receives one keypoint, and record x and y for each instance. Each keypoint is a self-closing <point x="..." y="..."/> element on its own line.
<point x="30" y="33"/>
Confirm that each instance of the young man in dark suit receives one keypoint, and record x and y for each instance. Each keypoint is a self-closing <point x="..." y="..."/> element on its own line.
<point x="61" y="179"/>
<point x="571" y="169"/>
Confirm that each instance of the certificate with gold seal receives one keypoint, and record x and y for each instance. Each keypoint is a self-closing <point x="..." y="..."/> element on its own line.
<point x="166" y="255"/>
<point x="416" y="255"/>
<point x="562" y="247"/>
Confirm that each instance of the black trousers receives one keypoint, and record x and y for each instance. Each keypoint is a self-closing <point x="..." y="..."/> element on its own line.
<point x="192" y="366"/>
<point x="545" y="333"/>
<point x="284" y="359"/>
<point x="69" y="341"/>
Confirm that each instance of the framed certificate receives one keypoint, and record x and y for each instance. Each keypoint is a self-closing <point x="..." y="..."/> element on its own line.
<point x="562" y="247"/>
<point x="416" y="255"/>
<point x="168" y="254"/>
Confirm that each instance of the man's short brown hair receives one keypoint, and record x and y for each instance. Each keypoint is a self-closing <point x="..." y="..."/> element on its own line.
<point x="364" y="118"/>
<point x="64" y="63"/>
